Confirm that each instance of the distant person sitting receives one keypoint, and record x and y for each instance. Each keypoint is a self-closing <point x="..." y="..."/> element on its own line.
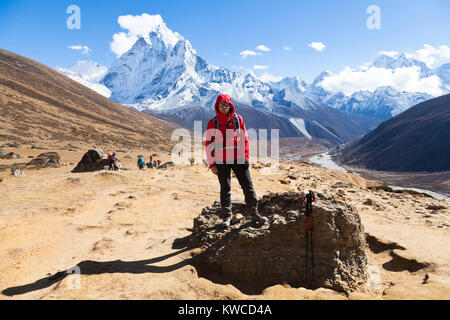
<point x="141" y="162"/>
<point x="113" y="162"/>
<point x="159" y="163"/>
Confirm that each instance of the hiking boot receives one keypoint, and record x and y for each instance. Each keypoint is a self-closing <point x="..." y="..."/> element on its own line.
<point x="227" y="221"/>
<point x="256" y="217"/>
<point x="259" y="218"/>
<point x="228" y="217"/>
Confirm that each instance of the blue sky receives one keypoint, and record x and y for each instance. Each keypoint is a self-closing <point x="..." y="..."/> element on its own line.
<point x="221" y="30"/>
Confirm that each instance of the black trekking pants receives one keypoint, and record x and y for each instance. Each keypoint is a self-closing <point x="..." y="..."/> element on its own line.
<point x="242" y="173"/>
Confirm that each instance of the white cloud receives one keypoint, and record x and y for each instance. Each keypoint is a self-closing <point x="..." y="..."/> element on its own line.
<point x="433" y="57"/>
<point x="83" y="49"/>
<point x="257" y="67"/>
<point x="262" y="47"/>
<point x="287" y="48"/>
<point x="403" y="79"/>
<point x="267" y="77"/>
<point x="319" y="46"/>
<point x="246" y="53"/>
<point x="226" y="54"/>
<point x="140" y="26"/>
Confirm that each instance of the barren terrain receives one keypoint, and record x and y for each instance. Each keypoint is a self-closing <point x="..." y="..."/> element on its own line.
<point x="125" y="230"/>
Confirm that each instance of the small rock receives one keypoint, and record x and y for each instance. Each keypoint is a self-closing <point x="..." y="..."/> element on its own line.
<point x="13" y="145"/>
<point x="17" y="172"/>
<point x="166" y="165"/>
<point x="11" y="155"/>
<point x="237" y="218"/>
<point x="45" y="160"/>
<point x="369" y="202"/>
<point x="436" y="207"/>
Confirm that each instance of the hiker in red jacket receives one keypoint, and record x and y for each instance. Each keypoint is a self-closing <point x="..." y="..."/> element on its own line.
<point x="227" y="148"/>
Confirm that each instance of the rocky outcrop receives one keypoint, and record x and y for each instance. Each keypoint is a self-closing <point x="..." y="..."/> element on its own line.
<point x="93" y="160"/>
<point x="275" y="253"/>
<point x="10" y="155"/>
<point x="45" y="160"/>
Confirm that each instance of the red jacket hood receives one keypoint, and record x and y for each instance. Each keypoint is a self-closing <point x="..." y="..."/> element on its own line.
<point x="224" y="98"/>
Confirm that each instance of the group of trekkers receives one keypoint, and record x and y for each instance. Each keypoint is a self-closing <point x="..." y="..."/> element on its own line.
<point x="151" y="164"/>
<point x="112" y="162"/>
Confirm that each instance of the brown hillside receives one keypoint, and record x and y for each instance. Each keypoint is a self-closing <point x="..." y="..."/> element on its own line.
<point x="38" y="104"/>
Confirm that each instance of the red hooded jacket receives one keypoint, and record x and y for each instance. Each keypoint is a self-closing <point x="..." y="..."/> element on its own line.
<point x="236" y="143"/>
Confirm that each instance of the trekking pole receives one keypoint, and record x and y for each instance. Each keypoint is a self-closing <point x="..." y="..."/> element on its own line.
<point x="307" y="204"/>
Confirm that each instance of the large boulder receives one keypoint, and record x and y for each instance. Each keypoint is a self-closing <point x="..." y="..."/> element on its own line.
<point x="94" y="160"/>
<point x="275" y="253"/>
<point x="45" y="160"/>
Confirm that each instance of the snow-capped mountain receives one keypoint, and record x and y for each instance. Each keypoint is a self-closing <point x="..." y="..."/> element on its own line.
<point x="163" y="74"/>
<point x="170" y="79"/>
<point x="383" y="103"/>
<point x="402" y="61"/>
<point x="443" y="72"/>
<point x="89" y="74"/>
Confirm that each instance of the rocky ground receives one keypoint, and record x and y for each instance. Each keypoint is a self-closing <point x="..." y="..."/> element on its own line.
<point x="127" y="231"/>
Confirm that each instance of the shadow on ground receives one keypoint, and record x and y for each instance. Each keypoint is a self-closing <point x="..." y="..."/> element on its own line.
<point x="95" y="267"/>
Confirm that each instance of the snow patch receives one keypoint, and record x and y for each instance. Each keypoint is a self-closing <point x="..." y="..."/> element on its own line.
<point x="299" y="123"/>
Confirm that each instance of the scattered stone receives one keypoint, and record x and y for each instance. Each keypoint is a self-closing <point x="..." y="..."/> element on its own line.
<point x="17" y="172"/>
<point x="10" y="155"/>
<point x="74" y="180"/>
<point x="2" y="153"/>
<point x="369" y="202"/>
<point x="13" y="145"/>
<point x="37" y="147"/>
<point x="155" y="155"/>
<point x="436" y="207"/>
<point x="237" y="218"/>
<point x="274" y="253"/>
<point x="45" y="160"/>
<point x="166" y="165"/>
